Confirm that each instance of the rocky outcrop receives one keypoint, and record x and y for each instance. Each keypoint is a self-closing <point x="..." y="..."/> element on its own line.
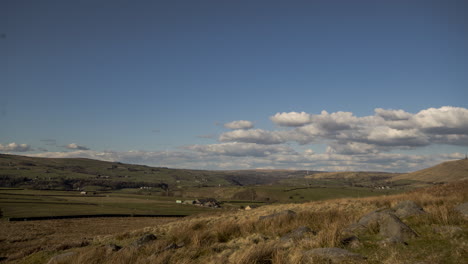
<point x="113" y="248"/>
<point x="406" y="209"/>
<point x="333" y="255"/>
<point x="145" y="239"/>
<point x="391" y="227"/>
<point x="384" y="222"/>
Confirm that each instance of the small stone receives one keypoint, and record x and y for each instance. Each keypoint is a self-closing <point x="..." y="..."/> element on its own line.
<point x="113" y="247"/>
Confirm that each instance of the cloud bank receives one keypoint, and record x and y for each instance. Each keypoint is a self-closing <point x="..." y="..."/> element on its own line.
<point x="14" y="147"/>
<point x="376" y="142"/>
<point x="76" y="147"/>
<point x="240" y="124"/>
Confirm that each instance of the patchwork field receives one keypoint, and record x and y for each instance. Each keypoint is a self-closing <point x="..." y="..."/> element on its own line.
<point x="37" y="203"/>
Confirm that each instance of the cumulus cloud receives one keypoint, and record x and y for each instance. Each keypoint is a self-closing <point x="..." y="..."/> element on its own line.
<point x="351" y="142"/>
<point x="76" y="147"/>
<point x="384" y="130"/>
<point x="258" y="136"/>
<point x="392" y="115"/>
<point x="240" y="149"/>
<point x="352" y="148"/>
<point x="251" y="156"/>
<point x="444" y="120"/>
<point x="240" y="124"/>
<point x="14" y="147"/>
<point x="291" y="119"/>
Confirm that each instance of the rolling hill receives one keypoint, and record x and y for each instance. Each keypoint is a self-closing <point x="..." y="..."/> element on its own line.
<point x="70" y="173"/>
<point x="445" y="172"/>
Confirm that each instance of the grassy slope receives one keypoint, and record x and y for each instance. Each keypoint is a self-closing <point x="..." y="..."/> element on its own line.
<point x="79" y="168"/>
<point x="239" y="237"/>
<point x="445" y="172"/>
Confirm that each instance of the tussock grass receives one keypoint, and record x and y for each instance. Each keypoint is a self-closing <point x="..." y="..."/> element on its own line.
<point x="241" y="237"/>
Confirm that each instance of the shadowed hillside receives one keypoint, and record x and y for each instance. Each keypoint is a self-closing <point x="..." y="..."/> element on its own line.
<point x="445" y="172"/>
<point x="80" y="173"/>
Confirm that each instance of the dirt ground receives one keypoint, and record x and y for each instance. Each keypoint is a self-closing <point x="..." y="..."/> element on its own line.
<point x="19" y="239"/>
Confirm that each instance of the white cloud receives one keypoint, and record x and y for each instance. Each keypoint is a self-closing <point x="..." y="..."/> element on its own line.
<point x="352" y="148"/>
<point x="76" y="146"/>
<point x="351" y="143"/>
<point x="251" y="156"/>
<point x="444" y="120"/>
<point x="392" y="115"/>
<point x="240" y="149"/>
<point x="386" y="136"/>
<point x="14" y="147"/>
<point x="292" y="119"/>
<point x="258" y="136"/>
<point x="240" y="124"/>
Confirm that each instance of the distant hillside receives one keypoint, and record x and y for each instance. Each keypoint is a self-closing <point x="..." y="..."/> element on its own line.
<point x="73" y="173"/>
<point x="445" y="172"/>
<point x="352" y="175"/>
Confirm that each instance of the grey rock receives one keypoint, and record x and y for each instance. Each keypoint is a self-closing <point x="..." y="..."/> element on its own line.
<point x="408" y="208"/>
<point x="385" y="222"/>
<point x="282" y="213"/>
<point x="334" y="255"/>
<point x="113" y="247"/>
<point x="61" y="258"/>
<point x="372" y="218"/>
<point x="144" y="240"/>
<point x="351" y="241"/>
<point x="462" y="209"/>
<point x="390" y="226"/>
<point x="297" y="234"/>
<point x="173" y="246"/>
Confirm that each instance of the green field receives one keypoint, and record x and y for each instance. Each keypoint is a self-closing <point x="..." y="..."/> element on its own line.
<point x="37" y="203"/>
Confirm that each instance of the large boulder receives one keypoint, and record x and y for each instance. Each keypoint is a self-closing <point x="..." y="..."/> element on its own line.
<point x="408" y="208"/>
<point x="333" y="255"/>
<point x="385" y="222"/>
<point x="390" y="226"/>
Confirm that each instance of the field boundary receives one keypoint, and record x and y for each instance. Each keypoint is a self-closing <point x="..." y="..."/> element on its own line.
<point x="38" y="218"/>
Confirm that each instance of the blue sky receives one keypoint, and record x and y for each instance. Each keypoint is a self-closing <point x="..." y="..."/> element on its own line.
<point x="155" y="82"/>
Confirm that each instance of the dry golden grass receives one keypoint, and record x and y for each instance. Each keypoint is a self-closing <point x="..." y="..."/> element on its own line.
<point x="19" y="239"/>
<point x="240" y="237"/>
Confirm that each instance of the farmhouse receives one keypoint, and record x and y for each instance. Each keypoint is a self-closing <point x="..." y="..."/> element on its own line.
<point x="250" y="207"/>
<point x="208" y="202"/>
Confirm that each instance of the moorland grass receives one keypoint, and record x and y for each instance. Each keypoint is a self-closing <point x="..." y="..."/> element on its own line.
<point x="240" y="237"/>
